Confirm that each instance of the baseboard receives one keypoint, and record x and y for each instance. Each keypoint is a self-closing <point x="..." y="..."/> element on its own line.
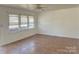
<point x="19" y="40"/>
<point x="58" y="36"/>
<point x="39" y="34"/>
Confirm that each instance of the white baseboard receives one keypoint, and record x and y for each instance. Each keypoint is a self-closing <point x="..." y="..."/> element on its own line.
<point x="17" y="39"/>
<point x="60" y="35"/>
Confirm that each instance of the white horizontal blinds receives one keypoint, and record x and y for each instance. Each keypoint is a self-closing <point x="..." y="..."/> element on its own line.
<point x="13" y="21"/>
<point x="31" y="21"/>
<point x="23" y="21"/>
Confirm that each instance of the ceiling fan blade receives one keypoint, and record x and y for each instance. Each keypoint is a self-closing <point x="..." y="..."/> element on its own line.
<point x="39" y="6"/>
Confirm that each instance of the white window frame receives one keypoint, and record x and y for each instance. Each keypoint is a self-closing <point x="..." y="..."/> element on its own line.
<point x="19" y="22"/>
<point x="33" y="22"/>
<point x="25" y="27"/>
<point x="14" y="29"/>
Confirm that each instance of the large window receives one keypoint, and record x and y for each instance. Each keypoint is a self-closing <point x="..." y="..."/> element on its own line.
<point x="24" y="22"/>
<point x="31" y="21"/>
<point x="13" y="21"/>
<point x="20" y="22"/>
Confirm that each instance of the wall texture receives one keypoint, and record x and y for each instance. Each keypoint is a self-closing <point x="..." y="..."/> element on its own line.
<point x="64" y="22"/>
<point x="7" y="36"/>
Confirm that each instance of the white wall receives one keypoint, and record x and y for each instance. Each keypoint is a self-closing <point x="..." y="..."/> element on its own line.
<point x="6" y="36"/>
<point x="64" y="22"/>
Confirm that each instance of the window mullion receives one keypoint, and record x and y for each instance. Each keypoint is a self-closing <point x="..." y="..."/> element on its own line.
<point x="28" y="22"/>
<point x="19" y="21"/>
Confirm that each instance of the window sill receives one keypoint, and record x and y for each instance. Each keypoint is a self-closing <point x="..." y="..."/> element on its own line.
<point x="14" y="30"/>
<point x="20" y="29"/>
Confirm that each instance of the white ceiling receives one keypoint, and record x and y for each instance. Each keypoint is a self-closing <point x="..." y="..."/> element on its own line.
<point x="60" y="6"/>
<point x="45" y="6"/>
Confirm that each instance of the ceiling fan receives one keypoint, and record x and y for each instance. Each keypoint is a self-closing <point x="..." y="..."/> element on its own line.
<point x="39" y="7"/>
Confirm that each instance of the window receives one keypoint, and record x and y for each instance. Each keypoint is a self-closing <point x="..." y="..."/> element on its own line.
<point x="20" y="21"/>
<point x="13" y="21"/>
<point x="31" y="21"/>
<point x="23" y="21"/>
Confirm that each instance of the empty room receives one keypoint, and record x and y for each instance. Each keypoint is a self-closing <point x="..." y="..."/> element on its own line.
<point x="39" y="29"/>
